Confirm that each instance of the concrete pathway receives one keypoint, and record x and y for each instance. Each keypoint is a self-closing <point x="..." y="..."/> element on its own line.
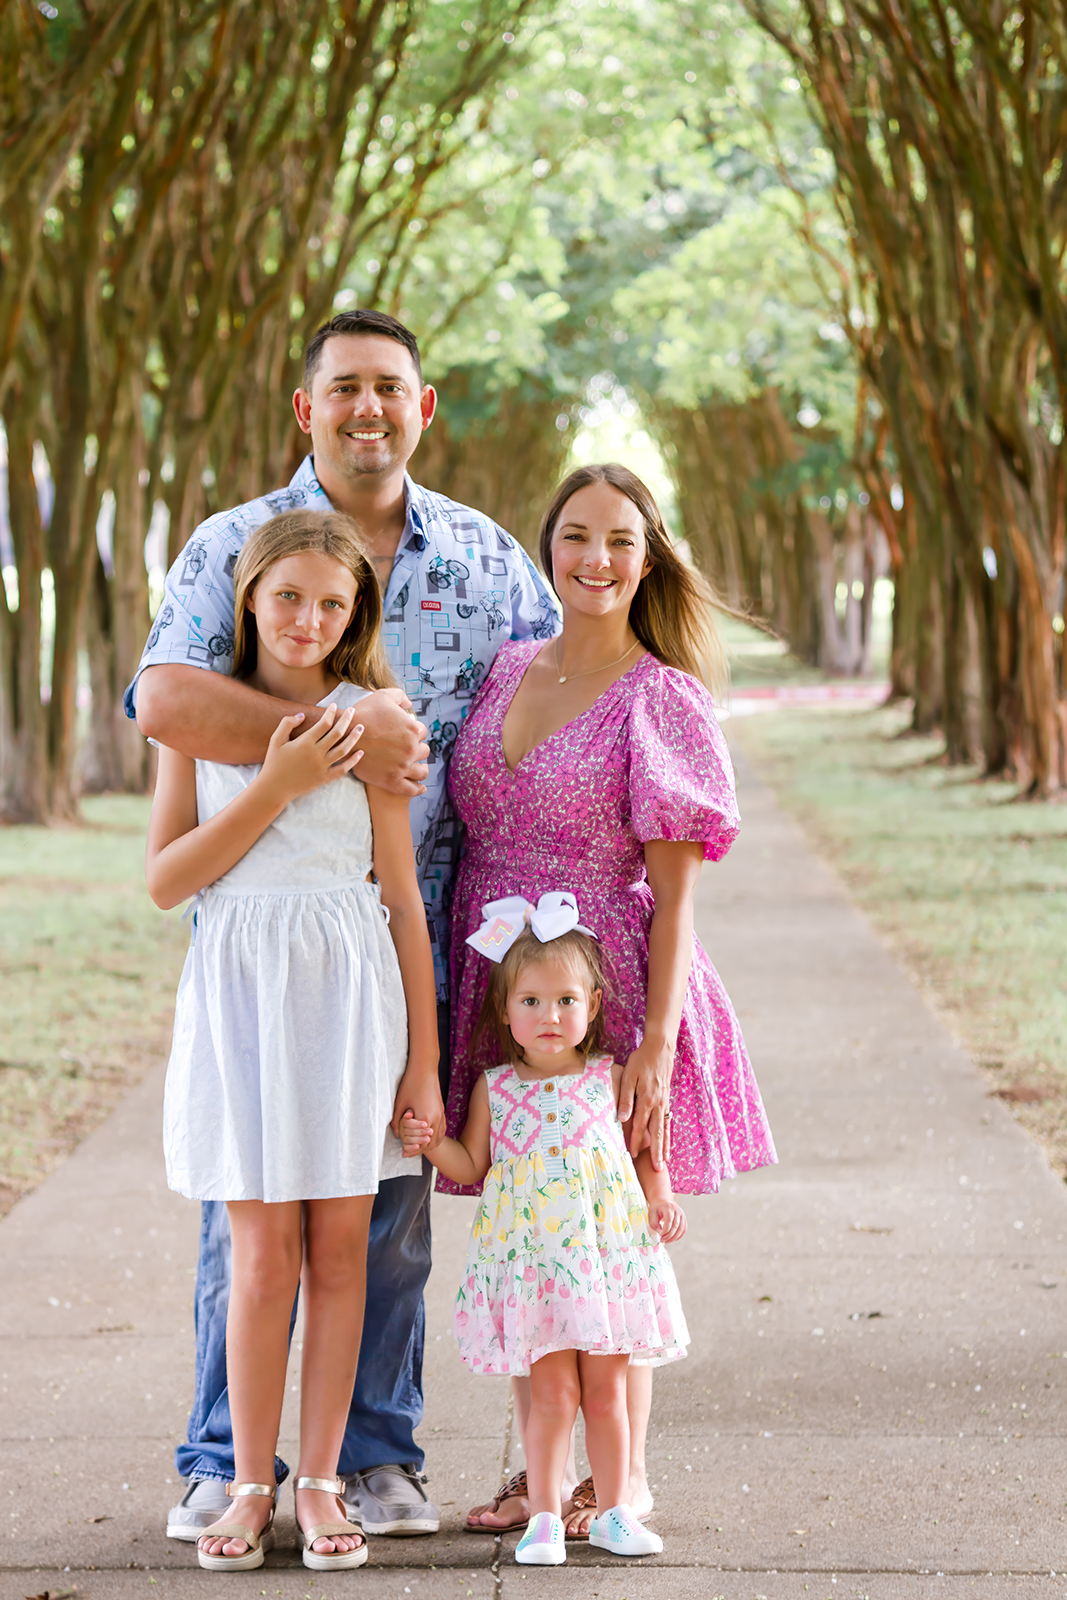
<point x="875" y="1401"/>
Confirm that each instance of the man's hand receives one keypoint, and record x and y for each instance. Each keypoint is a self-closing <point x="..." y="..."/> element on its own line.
<point x="213" y="717"/>
<point x="419" y="1094"/>
<point x="395" y="752"/>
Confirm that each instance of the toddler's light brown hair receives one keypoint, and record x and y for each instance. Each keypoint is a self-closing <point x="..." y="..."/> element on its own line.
<point x="580" y="950"/>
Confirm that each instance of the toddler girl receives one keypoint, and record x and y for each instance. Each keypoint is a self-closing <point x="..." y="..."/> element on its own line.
<point x="567" y="1278"/>
<point x="291" y="1055"/>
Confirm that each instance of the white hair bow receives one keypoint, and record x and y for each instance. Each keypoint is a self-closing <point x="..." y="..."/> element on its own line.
<point x="503" y="920"/>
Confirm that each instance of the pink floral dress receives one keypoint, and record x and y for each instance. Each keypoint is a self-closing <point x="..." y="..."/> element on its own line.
<point x="646" y="761"/>
<point x="560" y="1254"/>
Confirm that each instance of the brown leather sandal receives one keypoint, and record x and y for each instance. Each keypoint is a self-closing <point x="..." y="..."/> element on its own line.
<point x="583" y="1499"/>
<point x="515" y="1488"/>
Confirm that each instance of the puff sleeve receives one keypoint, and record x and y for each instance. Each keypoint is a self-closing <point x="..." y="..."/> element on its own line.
<point x="681" y="775"/>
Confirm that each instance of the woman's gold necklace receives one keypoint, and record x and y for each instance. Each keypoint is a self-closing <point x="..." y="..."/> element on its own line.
<point x="566" y="678"/>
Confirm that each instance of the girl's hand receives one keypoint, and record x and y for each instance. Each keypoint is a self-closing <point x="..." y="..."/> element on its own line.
<point x="666" y="1218"/>
<point x="323" y="752"/>
<point x="415" y="1136"/>
<point x="645" y="1094"/>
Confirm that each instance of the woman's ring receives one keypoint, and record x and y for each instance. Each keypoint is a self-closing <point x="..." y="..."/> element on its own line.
<point x="667" y="1115"/>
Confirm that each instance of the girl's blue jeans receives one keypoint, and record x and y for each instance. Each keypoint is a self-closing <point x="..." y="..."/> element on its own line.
<point x="387" y="1401"/>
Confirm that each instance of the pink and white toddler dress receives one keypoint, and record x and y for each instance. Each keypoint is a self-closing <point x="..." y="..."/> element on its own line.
<point x="560" y="1254"/>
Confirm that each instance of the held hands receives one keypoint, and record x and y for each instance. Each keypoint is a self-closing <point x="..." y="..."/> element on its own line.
<point x="666" y="1218"/>
<point x="418" y="1105"/>
<point x="323" y="752"/>
<point x="645" y="1093"/>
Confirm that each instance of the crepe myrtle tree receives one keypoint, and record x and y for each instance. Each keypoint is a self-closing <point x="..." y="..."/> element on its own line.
<point x="230" y="162"/>
<point x="948" y="131"/>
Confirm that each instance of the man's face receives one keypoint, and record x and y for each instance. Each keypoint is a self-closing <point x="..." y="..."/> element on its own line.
<point x="367" y="409"/>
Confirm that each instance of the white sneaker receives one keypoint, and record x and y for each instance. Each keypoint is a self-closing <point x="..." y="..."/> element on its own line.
<point x="542" y="1544"/>
<point x="203" y="1503"/>
<point x="619" y="1531"/>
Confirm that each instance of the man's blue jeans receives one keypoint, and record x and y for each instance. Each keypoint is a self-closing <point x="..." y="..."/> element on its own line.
<point x="387" y="1402"/>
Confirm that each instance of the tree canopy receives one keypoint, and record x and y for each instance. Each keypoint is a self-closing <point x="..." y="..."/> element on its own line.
<point x="817" y="244"/>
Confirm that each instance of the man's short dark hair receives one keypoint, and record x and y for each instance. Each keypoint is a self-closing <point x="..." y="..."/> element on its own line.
<point x="358" y="321"/>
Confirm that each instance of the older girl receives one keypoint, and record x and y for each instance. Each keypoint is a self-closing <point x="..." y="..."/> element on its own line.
<point x="306" y="1018"/>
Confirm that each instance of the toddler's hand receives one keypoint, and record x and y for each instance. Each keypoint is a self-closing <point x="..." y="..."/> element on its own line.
<point x="325" y="751"/>
<point x="415" y="1135"/>
<point x="666" y="1218"/>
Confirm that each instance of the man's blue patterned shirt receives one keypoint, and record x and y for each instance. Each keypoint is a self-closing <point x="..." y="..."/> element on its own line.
<point x="459" y="587"/>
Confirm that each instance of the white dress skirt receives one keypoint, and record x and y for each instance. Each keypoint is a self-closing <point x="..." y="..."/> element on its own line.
<point x="290" y="1031"/>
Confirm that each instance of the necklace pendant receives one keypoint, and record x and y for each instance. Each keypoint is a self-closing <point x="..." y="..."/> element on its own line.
<point x="563" y="680"/>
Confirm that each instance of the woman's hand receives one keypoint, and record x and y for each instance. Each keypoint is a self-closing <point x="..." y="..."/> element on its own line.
<point x="666" y="1218"/>
<point x="645" y="1094"/>
<point x="323" y="752"/>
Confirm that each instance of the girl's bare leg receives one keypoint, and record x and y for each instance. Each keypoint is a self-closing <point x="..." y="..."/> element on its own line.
<point x="554" y="1397"/>
<point x="335" y="1292"/>
<point x="638" y="1410"/>
<point x="607" y="1431"/>
<point x="514" y="1512"/>
<point x="266" y="1270"/>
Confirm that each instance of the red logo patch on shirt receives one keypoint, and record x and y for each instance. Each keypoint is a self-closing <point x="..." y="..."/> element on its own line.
<point x="431" y="605"/>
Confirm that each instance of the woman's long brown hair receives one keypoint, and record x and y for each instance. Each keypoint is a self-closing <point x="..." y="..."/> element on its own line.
<point x="673" y="611"/>
<point x="358" y="656"/>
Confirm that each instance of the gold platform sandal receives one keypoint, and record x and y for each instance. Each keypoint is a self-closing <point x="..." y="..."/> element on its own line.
<point x="337" y="1560"/>
<point x="258" y="1543"/>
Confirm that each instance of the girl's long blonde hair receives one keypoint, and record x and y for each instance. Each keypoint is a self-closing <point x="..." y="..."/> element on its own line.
<point x="358" y="656"/>
<point x="673" y="611"/>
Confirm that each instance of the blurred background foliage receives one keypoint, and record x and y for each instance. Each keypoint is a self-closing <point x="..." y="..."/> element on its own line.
<point x="660" y="228"/>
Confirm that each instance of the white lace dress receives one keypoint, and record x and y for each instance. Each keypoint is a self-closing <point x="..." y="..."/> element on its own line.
<point x="290" y="1032"/>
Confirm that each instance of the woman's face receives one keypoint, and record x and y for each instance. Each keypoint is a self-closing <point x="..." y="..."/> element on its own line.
<point x="302" y="606"/>
<point x="599" y="552"/>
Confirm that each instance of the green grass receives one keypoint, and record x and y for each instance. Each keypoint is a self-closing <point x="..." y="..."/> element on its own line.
<point x="88" y="969"/>
<point x="964" y="882"/>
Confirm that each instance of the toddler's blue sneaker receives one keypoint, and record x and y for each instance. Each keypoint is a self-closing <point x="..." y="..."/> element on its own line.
<point x="542" y="1544"/>
<point x="619" y="1531"/>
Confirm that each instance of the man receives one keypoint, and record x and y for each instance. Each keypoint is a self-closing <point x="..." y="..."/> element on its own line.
<point x="455" y="586"/>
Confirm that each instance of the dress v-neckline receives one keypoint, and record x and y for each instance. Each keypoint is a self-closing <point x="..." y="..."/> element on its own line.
<point x="513" y="772"/>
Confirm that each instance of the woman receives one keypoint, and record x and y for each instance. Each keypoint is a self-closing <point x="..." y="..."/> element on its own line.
<point x="594" y="763"/>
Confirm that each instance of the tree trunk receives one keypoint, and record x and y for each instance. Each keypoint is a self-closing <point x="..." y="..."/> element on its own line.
<point x="746" y="512"/>
<point x="929" y="646"/>
<point x="954" y="663"/>
<point x="116" y="755"/>
<point x="23" y="719"/>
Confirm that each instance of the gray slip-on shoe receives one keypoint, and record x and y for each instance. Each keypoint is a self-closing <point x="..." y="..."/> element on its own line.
<point x="203" y="1503"/>
<point x="390" y="1500"/>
